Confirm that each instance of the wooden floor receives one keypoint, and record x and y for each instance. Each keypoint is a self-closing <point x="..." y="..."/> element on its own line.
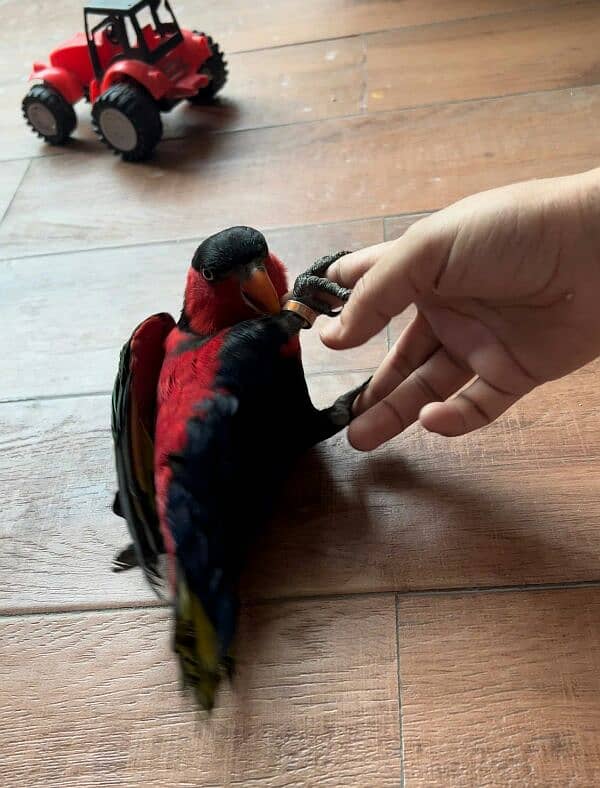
<point x="428" y="615"/>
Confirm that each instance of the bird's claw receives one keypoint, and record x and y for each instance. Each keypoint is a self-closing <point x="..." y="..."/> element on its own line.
<point x="341" y="412"/>
<point x="320" y="266"/>
<point x="126" y="559"/>
<point x="313" y="282"/>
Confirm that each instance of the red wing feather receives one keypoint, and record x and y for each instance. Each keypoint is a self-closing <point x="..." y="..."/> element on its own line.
<point x="133" y="428"/>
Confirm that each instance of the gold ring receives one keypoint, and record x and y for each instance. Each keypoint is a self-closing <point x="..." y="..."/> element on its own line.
<point x="306" y="313"/>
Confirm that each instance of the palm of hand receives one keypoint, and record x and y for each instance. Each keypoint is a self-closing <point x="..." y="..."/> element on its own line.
<point x="506" y="294"/>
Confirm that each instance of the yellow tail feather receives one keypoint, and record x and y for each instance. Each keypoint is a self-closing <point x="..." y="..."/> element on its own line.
<point x="196" y="645"/>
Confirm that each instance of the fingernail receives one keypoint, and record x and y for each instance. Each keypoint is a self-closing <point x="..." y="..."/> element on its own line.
<point x="355" y="441"/>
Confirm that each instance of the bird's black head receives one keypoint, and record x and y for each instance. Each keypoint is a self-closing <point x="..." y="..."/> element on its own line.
<point x="233" y="277"/>
<point x="229" y="252"/>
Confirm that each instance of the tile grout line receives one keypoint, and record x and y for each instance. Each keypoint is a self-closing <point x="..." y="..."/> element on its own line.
<point x="399" y="684"/>
<point x="363" y="98"/>
<point x="48" y="155"/>
<point x="378" y="31"/>
<point x="400" y="108"/>
<point x="198" y="238"/>
<point x="82" y="609"/>
<point x="6" y="612"/>
<point x="52" y="397"/>
<point x="108" y="392"/>
<point x="18" y="186"/>
<point x="409" y="28"/>
<point x="350" y="116"/>
<point x="388" y="328"/>
<point x="566" y="585"/>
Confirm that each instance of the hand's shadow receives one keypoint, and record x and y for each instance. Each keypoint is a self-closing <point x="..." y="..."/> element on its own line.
<point x="349" y="523"/>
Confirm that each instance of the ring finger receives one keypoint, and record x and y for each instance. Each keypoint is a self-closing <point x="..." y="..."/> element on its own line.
<point x="435" y="380"/>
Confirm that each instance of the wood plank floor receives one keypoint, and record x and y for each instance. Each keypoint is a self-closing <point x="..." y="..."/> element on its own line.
<point x="515" y="685"/>
<point x="427" y="615"/>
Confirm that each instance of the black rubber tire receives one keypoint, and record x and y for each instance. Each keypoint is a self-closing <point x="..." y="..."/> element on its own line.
<point x="62" y="113"/>
<point x="216" y="68"/>
<point x="139" y="108"/>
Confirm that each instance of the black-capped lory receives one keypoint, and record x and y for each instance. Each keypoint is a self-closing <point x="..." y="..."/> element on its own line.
<point x="209" y="414"/>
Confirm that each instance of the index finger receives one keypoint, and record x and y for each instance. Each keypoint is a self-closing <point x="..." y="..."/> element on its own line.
<point x="347" y="270"/>
<point x="384" y="290"/>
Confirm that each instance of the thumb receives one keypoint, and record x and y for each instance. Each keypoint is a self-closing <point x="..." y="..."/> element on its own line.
<point x="382" y="292"/>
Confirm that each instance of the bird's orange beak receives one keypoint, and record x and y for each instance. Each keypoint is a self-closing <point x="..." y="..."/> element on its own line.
<point x="259" y="293"/>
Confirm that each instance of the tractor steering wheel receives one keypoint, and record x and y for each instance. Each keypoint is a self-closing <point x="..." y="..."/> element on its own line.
<point x="112" y="33"/>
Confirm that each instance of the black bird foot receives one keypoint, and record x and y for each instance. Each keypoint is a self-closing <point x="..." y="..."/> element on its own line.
<point x="340" y="413"/>
<point x="313" y="282"/>
<point x="331" y="420"/>
<point x="126" y="559"/>
<point x="116" y="506"/>
<point x="320" y="266"/>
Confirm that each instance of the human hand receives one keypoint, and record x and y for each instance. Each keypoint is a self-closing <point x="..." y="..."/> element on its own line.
<point x="507" y="289"/>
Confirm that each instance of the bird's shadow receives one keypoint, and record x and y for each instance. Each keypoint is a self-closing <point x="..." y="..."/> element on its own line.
<point x="340" y="507"/>
<point x="348" y="523"/>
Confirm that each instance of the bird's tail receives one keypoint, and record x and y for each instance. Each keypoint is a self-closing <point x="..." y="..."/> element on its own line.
<point x="198" y="646"/>
<point x="206" y="559"/>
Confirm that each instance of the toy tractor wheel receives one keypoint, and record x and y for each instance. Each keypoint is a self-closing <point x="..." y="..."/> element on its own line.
<point x="216" y="68"/>
<point x="49" y="114"/>
<point x="127" y="121"/>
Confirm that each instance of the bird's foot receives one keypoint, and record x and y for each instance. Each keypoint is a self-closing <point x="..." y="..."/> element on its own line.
<point x="126" y="559"/>
<point x="320" y="294"/>
<point x="320" y="266"/>
<point x="331" y="420"/>
<point x="116" y="506"/>
<point x="341" y="413"/>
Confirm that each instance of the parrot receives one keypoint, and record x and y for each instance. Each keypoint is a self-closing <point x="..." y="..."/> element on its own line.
<point x="209" y="414"/>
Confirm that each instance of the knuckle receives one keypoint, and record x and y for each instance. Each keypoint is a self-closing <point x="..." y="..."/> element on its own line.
<point x="361" y="291"/>
<point x="400" y="362"/>
<point x="375" y="392"/>
<point x="425" y="386"/>
<point x="366" y="299"/>
<point x="476" y="412"/>
<point x="395" y="418"/>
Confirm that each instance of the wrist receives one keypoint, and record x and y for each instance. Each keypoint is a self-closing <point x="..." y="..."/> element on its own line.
<point x="580" y="206"/>
<point x="587" y="190"/>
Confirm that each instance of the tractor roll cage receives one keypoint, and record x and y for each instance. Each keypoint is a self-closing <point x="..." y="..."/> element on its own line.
<point x="115" y="12"/>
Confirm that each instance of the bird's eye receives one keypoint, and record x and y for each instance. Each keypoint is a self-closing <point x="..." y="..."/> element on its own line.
<point x="208" y="274"/>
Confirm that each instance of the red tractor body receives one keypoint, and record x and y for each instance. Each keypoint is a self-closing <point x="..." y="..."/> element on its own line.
<point x="126" y="43"/>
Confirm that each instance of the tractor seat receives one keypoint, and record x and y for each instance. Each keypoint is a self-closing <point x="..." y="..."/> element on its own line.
<point x="190" y="84"/>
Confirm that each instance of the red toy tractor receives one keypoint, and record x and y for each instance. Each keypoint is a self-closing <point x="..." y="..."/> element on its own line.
<point x="132" y="63"/>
